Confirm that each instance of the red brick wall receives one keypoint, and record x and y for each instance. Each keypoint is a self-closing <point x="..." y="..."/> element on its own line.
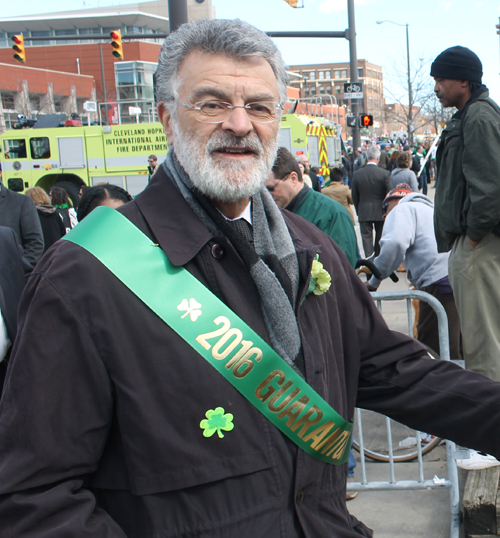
<point x="11" y="77"/>
<point x="63" y="58"/>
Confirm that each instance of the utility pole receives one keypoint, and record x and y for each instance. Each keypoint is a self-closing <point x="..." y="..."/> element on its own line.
<point x="351" y="36"/>
<point x="177" y="13"/>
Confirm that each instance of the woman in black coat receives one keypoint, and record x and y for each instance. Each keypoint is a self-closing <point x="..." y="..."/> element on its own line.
<point x="52" y="225"/>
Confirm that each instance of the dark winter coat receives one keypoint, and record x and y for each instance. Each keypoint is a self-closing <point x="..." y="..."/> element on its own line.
<point x="100" y="426"/>
<point x="468" y="181"/>
<point x="52" y="225"/>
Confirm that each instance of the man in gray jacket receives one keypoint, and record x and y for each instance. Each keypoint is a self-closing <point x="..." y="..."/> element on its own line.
<point x="18" y="212"/>
<point x="408" y="238"/>
<point x="467" y="215"/>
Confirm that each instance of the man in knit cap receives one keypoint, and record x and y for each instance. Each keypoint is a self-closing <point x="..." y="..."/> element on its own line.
<point x="467" y="211"/>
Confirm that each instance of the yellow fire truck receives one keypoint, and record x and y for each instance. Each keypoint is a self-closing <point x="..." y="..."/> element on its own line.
<point x="80" y="155"/>
<point x="315" y="137"/>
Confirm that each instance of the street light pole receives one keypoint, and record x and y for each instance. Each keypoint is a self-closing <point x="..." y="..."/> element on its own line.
<point x="410" y="97"/>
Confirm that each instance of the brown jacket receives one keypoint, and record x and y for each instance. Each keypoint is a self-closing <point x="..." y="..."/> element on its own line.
<point x="342" y="194"/>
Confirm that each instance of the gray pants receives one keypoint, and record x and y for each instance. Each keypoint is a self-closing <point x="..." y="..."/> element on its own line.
<point x="474" y="275"/>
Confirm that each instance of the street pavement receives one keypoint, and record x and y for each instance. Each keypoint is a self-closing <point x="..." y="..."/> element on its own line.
<point x="408" y="514"/>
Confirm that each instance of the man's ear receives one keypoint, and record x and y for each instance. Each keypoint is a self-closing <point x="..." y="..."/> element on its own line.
<point x="294" y="178"/>
<point x="166" y="120"/>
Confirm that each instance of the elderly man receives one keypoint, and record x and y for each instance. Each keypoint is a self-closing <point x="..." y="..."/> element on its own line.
<point x="290" y="192"/>
<point x="467" y="209"/>
<point x="193" y="371"/>
<point x="369" y="188"/>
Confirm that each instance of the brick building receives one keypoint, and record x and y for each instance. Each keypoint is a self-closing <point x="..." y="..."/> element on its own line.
<point x="61" y="76"/>
<point x="327" y="81"/>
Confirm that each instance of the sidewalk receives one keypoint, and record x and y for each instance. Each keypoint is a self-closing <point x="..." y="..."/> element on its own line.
<point x="408" y="514"/>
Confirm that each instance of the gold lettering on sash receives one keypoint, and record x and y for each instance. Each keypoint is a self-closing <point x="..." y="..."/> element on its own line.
<point x="339" y="446"/>
<point x="306" y="421"/>
<point x="294" y="410"/>
<point x="264" y="396"/>
<point x="277" y="396"/>
<point x="319" y="433"/>
<point x="327" y="443"/>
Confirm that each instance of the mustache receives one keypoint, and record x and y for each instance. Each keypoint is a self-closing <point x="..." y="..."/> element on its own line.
<point x="221" y="140"/>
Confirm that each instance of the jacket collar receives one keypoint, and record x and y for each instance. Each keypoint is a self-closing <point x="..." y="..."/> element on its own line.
<point x="177" y="229"/>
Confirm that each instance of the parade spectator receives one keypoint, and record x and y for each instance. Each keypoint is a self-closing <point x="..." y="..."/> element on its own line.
<point x="105" y="194"/>
<point x="384" y="158"/>
<point x="339" y="191"/>
<point x="402" y="172"/>
<point x="408" y="238"/>
<point x="59" y="199"/>
<point x="393" y="161"/>
<point x="152" y="165"/>
<point x="18" y="212"/>
<point x="423" y="177"/>
<point x="369" y="188"/>
<point x="289" y="192"/>
<point x="14" y="269"/>
<point x="467" y="213"/>
<point x="305" y="176"/>
<point x="50" y="220"/>
<point x="123" y="416"/>
<point x="304" y="160"/>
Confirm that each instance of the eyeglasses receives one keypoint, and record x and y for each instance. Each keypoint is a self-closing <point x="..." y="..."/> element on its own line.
<point x="219" y="112"/>
<point x="271" y="188"/>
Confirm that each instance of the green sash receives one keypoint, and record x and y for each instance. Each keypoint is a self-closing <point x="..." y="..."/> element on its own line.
<point x="216" y="333"/>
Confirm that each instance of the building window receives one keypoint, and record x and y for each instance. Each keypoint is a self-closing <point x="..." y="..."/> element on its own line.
<point x="134" y="82"/>
<point x="321" y="75"/>
<point x="329" y="90"/>
<point x="65" y="32"/>
<point x="135" y="30"/>
<point x="337" y="74"/>
<point x="328" y="74"/>
<point x="337" y="89"/>
<point x="321" y="89"/>
<point x="312" y="75"/>
<point x="41" y="33"/>
<point x="360" y="72"/>
<point x="313" y="91"/>
<point x="344" y="73"/>
<point x="89" y="31"/>
<point x="306" y="91"/>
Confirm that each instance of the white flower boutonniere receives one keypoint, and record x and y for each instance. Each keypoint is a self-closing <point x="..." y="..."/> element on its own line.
<point x="320" y="278"/>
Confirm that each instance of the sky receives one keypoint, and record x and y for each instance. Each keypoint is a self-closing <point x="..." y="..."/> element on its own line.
<point x="434" y="25"/>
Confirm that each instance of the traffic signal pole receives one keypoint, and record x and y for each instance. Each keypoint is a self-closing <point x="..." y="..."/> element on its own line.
<point x="353" y="59"/>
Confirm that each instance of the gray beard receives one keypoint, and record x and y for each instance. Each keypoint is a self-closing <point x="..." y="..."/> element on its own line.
<point x="229" y="181"/>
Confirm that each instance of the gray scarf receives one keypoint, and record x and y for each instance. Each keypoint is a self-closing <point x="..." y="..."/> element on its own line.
<point x="272" y="243"/>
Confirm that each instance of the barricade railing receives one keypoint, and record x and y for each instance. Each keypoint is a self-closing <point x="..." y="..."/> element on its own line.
<point x="450" y="483"/>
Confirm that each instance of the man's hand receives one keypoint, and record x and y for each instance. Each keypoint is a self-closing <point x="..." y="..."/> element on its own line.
<point x="473" y="243"/>
<point x="369" y="287"/>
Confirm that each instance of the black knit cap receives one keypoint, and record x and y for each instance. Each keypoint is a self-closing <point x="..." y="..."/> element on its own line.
<point x="457" y="63"/>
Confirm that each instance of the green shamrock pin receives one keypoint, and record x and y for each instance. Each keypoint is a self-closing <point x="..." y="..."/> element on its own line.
<point x="217" y="420"/>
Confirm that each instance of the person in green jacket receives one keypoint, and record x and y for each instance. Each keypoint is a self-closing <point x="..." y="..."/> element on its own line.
<point x="467" y="208"/>
<point x="290" y="192"/>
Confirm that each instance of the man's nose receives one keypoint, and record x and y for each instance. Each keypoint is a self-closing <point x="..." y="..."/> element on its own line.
<point x="238" y="122"/>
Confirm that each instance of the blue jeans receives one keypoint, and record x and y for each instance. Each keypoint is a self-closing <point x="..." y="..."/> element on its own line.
<point x="351" y="464"/>
<point x="422" y="182"/>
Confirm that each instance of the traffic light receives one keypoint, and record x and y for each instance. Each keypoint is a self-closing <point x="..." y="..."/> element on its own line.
<point x="497" y="26"/>
<point x="116" y="43"/>
<point x="293" y="3"/>
<point x="350" y="121"/>
<point x="365" y="120"/>
<point x="18" y="48"/>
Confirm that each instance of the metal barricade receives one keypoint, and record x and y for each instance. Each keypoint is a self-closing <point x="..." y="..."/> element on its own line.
<point x="450" y="483"/>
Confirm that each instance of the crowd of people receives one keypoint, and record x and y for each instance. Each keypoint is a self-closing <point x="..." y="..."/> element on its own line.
<point x="193" y="369"/>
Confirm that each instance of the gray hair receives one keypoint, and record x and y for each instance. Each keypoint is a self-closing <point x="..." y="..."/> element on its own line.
<point x="373" y="153"/>
<point x="233" y="39"/>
